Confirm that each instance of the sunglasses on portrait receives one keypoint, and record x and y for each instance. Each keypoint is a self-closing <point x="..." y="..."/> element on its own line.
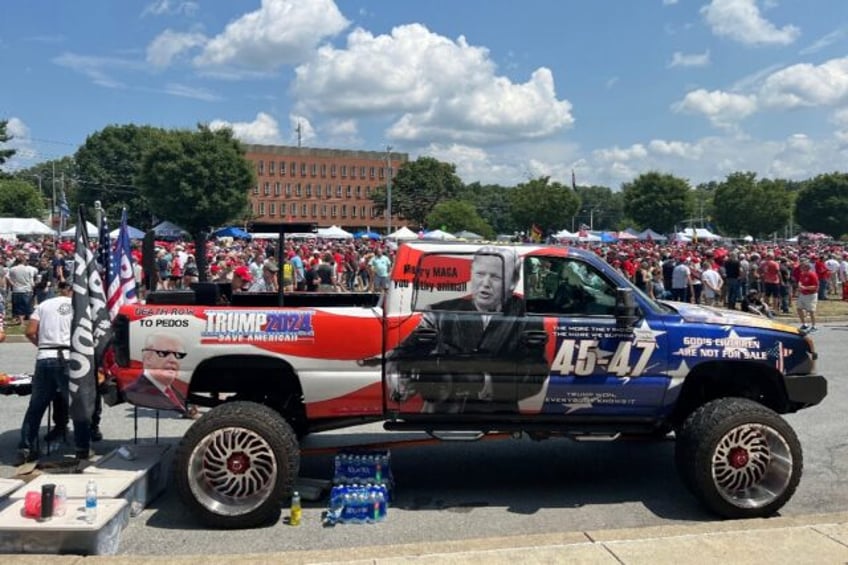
<point x="162" y="353"/>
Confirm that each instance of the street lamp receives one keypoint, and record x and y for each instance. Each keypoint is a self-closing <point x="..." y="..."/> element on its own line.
<point x="388" y="189"/>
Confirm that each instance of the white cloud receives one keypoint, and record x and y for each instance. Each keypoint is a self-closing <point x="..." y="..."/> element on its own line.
<point x="184" y="91"/>
<point x="679" y="59"/>
<point x="740" y="20"/>
<point x="824" y="41"/>
<point x="168" y="7"/>
<point x="306" y="130"/>
<point x="807" y="85"/>
<point x="169" y="44"/>
<point x="723" y="109"/>
<point x="279" y="32"/>
<point x="447" y="91"/>
<point x="263" y="130"/>
<point x="25" y="153"/>
<point x="669" y="2"/>
<point x="98" y="68"/>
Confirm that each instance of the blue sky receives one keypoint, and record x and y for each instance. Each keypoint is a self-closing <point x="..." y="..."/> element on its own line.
<point x="506" y="90"/>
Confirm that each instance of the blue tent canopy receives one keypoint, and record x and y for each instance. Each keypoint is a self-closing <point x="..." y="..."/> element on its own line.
<point x="231" y="231"/>
<point x="367" y="234"/>
<point x="607" y="237"/>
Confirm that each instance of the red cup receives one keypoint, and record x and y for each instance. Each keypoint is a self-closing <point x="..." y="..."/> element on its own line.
<point x="32" y="504"/>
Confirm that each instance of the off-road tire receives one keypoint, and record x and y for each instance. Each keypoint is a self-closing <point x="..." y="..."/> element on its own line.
<point x="236" y="465"/>
<point x="739" y="458"/>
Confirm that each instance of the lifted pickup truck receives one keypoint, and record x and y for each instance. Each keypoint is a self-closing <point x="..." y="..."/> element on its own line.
<point x="541" y="340"/>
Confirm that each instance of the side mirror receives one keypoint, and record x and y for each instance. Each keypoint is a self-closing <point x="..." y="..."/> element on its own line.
<point x="625" y="309"/>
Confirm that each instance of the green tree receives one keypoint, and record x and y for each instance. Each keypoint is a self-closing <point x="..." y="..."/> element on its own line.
<point x="704" y="201"/>
<point x="108" y="165"/>
<point x="605" y="206"/>
<point x="20" y="199"/>
<point x="197" y="179"/>
<point x="457" y="215"/>
<point x="745" y="206"/>
<point x="657" y="201"/>
<point x="822" y="204"/>
<point x="492" y="203"/>
<point x="5" y="154"/>
<point x="417" y="187"/>
<point x="549" y="205"/>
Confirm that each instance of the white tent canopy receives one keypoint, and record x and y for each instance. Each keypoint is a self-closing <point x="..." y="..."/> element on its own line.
<point x="403" y="233"/>
<point x="700" y="233"/>
<point x="565" y="234"/>
<point x="90" y="228"/>
<point x="334" y="232"/>
<point x="23" y="226"/>
<point x="439" y="234"/>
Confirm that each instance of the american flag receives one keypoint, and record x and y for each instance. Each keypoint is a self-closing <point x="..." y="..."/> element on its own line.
<point x="104" y="249"/>
<point x="778" y="352"/>
<point x="91" y="329"/>
<point x="121" y="288"/>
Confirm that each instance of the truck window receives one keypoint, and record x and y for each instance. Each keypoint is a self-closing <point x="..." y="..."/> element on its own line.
<point x="561" y="285"/>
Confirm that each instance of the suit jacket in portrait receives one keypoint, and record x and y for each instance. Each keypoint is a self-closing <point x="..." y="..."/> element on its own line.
<point x="144" y="392"/>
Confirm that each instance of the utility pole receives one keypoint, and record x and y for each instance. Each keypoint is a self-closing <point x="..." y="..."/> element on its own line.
<point x="299" y="131"/>
<point x="53" y="209"/>
<point x="388" y="189"/>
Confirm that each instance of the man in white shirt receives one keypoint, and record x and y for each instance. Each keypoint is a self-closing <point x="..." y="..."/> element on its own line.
<point x="712" y="283"/>
<point x="50" y="330"/>
<point x="22" y="277"/>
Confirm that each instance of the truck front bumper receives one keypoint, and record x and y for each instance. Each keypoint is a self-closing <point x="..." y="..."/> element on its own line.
<point x="805" y="390"/>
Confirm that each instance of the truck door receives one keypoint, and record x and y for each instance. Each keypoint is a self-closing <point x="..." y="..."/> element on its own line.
<point x="473" y="351"/>
<point x="596" y="368"/>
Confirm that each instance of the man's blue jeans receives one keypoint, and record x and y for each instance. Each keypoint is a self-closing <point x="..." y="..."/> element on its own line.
<point x="733" y="288"/>
<point x="50" y="375"/>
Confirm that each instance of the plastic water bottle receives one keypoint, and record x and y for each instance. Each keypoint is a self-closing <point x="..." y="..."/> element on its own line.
<point x="60" y="501"/>
<point x="296" y="510"/>
<point x="90" y="501"/>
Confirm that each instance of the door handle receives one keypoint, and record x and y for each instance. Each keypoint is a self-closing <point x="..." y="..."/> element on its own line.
<point x="425" y="335"/>
<point x="534" y="337"/>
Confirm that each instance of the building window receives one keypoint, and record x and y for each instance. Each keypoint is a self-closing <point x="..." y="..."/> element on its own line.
<point x="270" y="167"/>
<point x="353" y="211"/>
<point x="256" y="190"/>
<point x="334" y="210"/>
<point x="382" y="172"/>
<point x="276" y="189"/>
<point x="344" y="171"/>
<point x="339" y="191"/>
<point x="267" y="189"/>
<point x="358" y="191"/>
<point x="260" y="168"/>
<point x="252" y="209"/>
<point x="302" y="170"/>
<point x="347" y="191"/>
<point x="362" y="172"/>
<point x="373" y="170"/>
<point x="282" y="168"/>
<point x="293" y="209"/>
<point x="292" y="168"/>
<point x="261" y="208"/>
<point x="323" y="169"/>
<point x="368" y="192"/>
<point x="309" y="190"/>
<point x="362" y="212"/>
<point x="297" y="190"/>
<point x="303" y="210"/>
<point x="323" y="210"/>
<point x="314" y="210"/>
<point x="328" y="191"/>
<point x="333" y="170"/>
<point x="314" y="169"/>
<point x="272" y="209"/>
<point x="344" y="210"/>
<point x="288" y="190"/>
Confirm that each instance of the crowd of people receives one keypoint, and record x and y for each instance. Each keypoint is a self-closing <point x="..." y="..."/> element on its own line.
<point x="769" y="277"/>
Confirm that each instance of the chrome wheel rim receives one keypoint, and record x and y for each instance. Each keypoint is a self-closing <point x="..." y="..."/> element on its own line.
<point x="232" y="471"/>
<point x="752" y="465"/>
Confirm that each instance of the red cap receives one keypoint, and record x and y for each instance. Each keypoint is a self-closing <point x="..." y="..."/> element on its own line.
<point x="243" y="273"/>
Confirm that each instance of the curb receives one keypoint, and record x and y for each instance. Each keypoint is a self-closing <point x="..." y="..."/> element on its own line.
<point x="815" y="538"/>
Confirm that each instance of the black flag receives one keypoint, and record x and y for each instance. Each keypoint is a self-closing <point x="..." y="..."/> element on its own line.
<point x="90" y="329"/>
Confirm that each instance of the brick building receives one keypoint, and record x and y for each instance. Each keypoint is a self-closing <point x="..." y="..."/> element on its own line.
<point x="324" y="186"/>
